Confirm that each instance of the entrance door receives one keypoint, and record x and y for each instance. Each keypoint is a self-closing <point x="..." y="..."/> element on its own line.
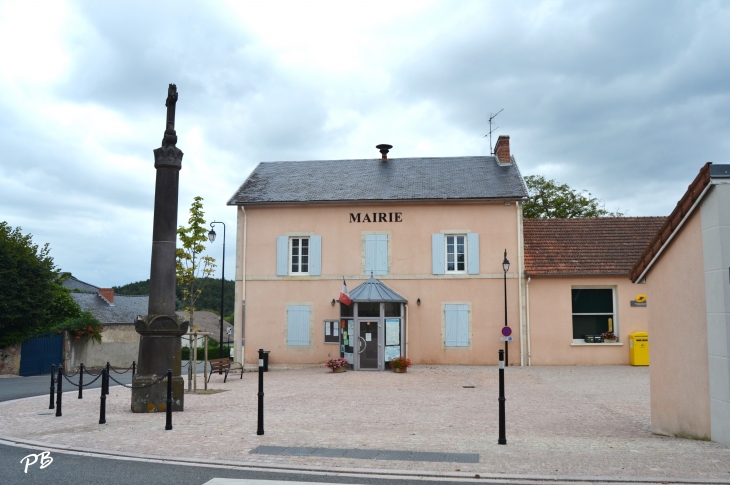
<point x="37" y="354"/>
<point x="368" y="356"/>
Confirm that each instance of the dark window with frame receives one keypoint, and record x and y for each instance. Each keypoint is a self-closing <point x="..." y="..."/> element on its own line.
<point x="332" y="331"/>
<point x="299" y="255"/>
<point x="592" y="310"/>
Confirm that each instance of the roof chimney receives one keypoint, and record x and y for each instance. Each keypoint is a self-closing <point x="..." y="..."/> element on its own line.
<point x="501" y="150"/>
<point x="384" y="151"/>
<point x="107" y="294"/>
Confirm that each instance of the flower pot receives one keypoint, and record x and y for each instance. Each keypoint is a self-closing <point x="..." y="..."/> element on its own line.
<point x="339" y="370"/>
<point x="400" y="371"/>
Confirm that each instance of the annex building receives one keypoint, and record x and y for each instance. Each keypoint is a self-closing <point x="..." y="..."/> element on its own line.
<point x="421" y="243"/>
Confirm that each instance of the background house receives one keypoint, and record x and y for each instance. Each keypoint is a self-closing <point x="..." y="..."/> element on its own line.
<point x="576" y="279"/>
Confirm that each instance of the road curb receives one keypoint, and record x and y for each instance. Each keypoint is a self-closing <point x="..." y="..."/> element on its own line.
<point x="341" y="471"/>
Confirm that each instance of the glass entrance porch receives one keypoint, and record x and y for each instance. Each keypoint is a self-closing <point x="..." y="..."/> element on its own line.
<point x="372" y="326"/>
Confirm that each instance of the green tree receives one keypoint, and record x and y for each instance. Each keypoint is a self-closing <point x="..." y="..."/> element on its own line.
<point x="549" y="199"/>
<point x="31" y="300"/>
<point x="191" y="265"/>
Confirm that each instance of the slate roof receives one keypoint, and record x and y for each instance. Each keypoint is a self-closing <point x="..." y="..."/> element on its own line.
<point x="401" y="179"/>
<point x="595" y="246"/>
<point x="125" y="309"/>
<point x="75" y="284"/>
<point x="208" y="322"/>
<point x="374" y="290"/>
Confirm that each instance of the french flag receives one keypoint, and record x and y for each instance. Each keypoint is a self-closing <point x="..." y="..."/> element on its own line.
<point x="344" y="296"/>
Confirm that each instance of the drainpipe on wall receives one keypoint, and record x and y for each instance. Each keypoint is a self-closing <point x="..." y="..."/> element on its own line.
<point x="521" y="282"/>
<point x="527" y="297"/>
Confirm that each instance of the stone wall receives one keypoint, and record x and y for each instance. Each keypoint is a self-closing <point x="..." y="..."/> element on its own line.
<point x="10" y="359"/>
<point x="119" y="346"/>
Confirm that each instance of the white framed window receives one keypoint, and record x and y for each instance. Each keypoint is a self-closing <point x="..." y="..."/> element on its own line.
<point x="455" y="248"/>
<point x="593" y="312"/>
<point x="299" y="255"/>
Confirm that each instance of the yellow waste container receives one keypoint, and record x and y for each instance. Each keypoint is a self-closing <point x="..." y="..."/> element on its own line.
<point x="639" y="348"/>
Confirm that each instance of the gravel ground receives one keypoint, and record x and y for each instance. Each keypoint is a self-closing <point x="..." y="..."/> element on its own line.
<point x="566" y="421"/>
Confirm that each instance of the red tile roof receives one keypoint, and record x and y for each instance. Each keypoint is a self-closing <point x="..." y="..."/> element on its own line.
<point x="595" y="246"/>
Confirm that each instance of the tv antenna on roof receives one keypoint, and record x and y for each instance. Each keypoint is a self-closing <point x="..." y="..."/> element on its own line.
<point x="491" y="117"/>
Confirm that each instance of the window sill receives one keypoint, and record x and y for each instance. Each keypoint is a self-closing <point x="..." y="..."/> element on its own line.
<point x="604" y="344"/>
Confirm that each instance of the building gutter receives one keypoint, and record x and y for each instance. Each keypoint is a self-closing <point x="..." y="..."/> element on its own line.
<point x="240" y="300"/>
<point x="378" y="201"/>
<point x="406" y="323"/>
<point x="521" y="282"/>
<point x="527" y="324"/>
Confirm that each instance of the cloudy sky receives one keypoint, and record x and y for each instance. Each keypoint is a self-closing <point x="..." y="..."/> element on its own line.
<point x="624" y="99"/>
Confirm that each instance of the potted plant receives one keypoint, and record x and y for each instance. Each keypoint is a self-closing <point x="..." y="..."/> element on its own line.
<point x="337" y="364"/>
<point x="400" y="364"/>
<point x="609" y="337"/>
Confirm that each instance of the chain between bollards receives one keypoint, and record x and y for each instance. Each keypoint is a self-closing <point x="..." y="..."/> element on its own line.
<point x="168" y="410"/>
<point x="134" y="367"/>
<point x="81" y="381"/>
<point x="260" y="429"/>
<point x="59" y="390"/>
<point x="502" y="433"/>
<point x="53" y="387"/>
<point x="102" y="408"/>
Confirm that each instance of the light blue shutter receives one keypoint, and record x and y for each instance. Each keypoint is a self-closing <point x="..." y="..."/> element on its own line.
<point x="315" y="255"/>
<point x="437" y="253"/>
<point x="457" y="325"/>
<point x="370" y="254"/>
<point x="298" y="324"/>
<point x="381" y="252"/>
<point x="282" y="256"/>
<point x="472" y="257"/>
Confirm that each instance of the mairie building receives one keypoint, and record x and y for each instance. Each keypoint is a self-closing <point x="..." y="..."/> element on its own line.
<point x="437" y="259"/>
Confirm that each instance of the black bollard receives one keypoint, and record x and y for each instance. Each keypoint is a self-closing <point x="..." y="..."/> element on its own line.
<point x="81" y="381"/>
<point x="168" y="410"/>
<point x="102" y="406"/>
<point x="59" y="390"/>
<point x="107" y="378"/>
<point x="134" y="368"/>
<point x="502" y="434"/>
<point x="53" y="387"/>
<point x="260" y="429"/>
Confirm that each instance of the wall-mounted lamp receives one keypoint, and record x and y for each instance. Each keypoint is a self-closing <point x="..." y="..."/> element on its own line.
<point x="333" y="302"/>
<point x="418" y="302"/>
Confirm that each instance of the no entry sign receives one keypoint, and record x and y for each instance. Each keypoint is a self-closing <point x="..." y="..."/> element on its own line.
<point x="506" y="331"/>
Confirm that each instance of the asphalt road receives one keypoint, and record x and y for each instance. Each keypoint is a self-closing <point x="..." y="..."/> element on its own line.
<point x="19" y="387"/>
<point x="75" y="469"/>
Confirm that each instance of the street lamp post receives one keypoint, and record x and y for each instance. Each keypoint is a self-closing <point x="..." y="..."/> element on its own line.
<point x="505" y="267"/>
<point x="211" y="237"/>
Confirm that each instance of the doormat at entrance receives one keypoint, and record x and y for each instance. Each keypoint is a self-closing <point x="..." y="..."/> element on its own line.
<point x="367" y="454"/>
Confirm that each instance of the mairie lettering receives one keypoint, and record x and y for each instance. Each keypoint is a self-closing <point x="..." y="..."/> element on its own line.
<point x="376" y="217"/>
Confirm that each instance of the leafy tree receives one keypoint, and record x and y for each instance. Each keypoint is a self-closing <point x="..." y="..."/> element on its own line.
<point x="191" y="264"/>
<point x="549" y="199"/>
<point x="31" y="300"/>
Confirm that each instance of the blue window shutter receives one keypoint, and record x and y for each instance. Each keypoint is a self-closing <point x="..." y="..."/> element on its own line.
<point x="437" y="253"/>
<point x="315" y="255"/>
<point x="298" y="325"/>
<point x="282" y="256"/>
<point x="463" y="329"/>
<point x="457" y="325"/>
<point x="472" y="257"/>
<point x="381" y="252"/>
<point x="371" y="254"/>
<point x="450" y="318"/>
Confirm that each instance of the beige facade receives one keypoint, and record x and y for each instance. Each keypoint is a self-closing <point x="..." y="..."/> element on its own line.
<point x="550" y="321"/>
<point x="409" y="273"/>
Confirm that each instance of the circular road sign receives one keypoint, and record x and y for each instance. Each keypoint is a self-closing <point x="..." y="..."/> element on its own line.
<point x="506" y="331"/>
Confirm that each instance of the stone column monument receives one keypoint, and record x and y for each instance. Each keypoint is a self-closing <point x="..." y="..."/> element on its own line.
<point x="160" y="330"/>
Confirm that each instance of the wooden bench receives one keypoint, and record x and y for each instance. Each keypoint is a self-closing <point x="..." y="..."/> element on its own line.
<point x="221" y="365"/>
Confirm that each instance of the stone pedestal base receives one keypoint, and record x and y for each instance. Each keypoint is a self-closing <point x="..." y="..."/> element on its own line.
<point x="153" y="399"/>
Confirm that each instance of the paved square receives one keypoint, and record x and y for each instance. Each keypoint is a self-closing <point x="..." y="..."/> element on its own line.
<point x="566" y="421"/>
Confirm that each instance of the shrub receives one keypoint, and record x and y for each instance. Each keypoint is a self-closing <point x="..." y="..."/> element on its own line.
<point x="400" y="363"/>
<point x="85" y="326"/>
<point x="336" y="363"/>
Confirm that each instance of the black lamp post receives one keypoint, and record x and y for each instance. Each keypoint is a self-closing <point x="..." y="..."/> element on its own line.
<point x="505" y="267"/>
<point x="211" y="237"/>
